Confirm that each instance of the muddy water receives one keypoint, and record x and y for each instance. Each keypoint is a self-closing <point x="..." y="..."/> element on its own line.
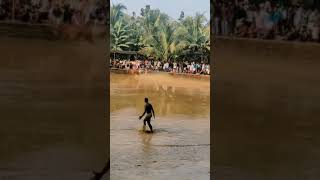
<point x="52" y="109"/>
<point x="180" y="146"/>
<point x="266" y="109"/>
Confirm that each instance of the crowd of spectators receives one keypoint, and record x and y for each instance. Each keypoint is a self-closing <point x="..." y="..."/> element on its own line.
<point x="267" y="19"/>
<point x="52" y="11"/>
<point x="171" y="66"/>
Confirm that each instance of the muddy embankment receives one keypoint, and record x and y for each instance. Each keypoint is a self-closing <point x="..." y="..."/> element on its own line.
<point x="52" y="103"/>
<point x="265" y="110"/>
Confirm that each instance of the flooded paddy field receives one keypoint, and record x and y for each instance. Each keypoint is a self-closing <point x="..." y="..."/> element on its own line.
<point x="266" y="104"/>
<point x="52" y="109"/>
<point x="179" y="148"/>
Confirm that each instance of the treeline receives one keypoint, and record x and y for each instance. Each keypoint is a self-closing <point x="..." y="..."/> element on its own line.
<point x="155" y="34"/>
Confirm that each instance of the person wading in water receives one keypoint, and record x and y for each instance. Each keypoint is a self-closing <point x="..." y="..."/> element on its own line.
<point x="149" y="110"/>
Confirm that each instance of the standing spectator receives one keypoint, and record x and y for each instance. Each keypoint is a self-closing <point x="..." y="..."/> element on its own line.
<point x="174" y="66"/>
<point x="67" y="15"/>
<point x="313" y="24"/>
<point x="304" y="18"/>
<point x="35" y="4"/>
<point x="26" y="13"/>
<point x="250" y="14"/>
<point x="56" y="14"/>
<point x="268" y="23"/>
<point x="77" y="18"/>
<point x="267" y="6"/>
<point x="217" y="19"/>
<point x="276" y="18"/>
<point x="230" y="17"/>
<point x="259" y="21"/>
<point x="3" y="13"/>
<point x="297" y="17"/>
<point x="159" y="65"/>
<point x="44" y="11"/>
<point x="284" y="22"/>
<point x="224" y="20"/>
<point x="239" y="16"/>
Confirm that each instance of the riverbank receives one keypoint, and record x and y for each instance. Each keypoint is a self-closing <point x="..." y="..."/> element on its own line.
<point x="49" y="31"/>
<point x="184" y="75"/>
<point x="26" y="30"/>
<point x="271" y="41"/>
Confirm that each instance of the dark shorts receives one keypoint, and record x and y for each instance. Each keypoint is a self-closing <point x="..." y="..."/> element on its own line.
<point x="148" y="117"/>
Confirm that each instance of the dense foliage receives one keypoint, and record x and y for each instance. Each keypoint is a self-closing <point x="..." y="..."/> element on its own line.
<point x="155" y="34"/>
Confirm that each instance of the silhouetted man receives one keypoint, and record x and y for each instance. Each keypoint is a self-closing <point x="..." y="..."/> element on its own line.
<point x="149" y="110"/>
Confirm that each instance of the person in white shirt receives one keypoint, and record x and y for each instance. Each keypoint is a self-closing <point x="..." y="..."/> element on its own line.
<point x="155" y="65"/>
<point x="267" y="6"/>
<point x="208" y="69"/>
<point x="174" y="67"/>
<point x="268" y="24"/>
<point x="166" y="66"/>
<point x="250" y="14"/>
<point x="56" y="14"/>
<point x="193" y="67"/>
<point x="313" y="26"/>
<point x="44" y="10"/>
<point x="297" y="17"/>
<point x="259" y="20"/>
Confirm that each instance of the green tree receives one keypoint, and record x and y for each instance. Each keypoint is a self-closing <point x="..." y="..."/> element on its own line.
<point x="120" y="38"/>
<point x="155" y="34"/>
<point x="136" y="33"/>
<point x="116" y="13"/>
<point x="196" y="33"/>
<point x="164" y="44"/>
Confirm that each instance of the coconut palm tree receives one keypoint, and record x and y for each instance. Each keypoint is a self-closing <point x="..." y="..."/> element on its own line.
<point x="196" y="33"/>
<point x="159" y="35"/>
<point x="152" y="20"/>
<point x="155" y="34"/>
<point x="136" y="33"/>
<point x="163" y="44"/>
<point x="116" y="13"/>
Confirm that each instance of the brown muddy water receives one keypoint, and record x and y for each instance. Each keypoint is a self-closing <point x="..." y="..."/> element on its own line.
<point x="266" y="109"/>
<point x="180" y="146"/>
<point x="52" y="109"/>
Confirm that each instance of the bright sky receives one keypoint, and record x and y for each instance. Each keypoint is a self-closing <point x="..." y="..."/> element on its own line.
<point x="171" y="7"/>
